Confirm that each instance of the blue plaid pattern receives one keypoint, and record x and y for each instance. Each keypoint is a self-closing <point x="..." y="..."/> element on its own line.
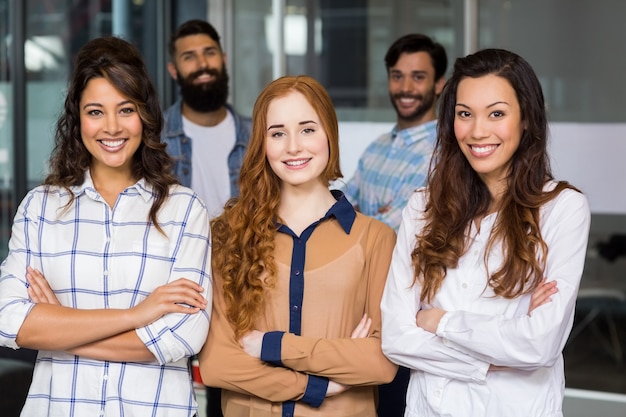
<point x="390" y="169"/>
<point x="95" y="257"/>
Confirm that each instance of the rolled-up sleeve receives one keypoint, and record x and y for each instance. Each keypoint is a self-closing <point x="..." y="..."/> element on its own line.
<point x="175" y="336"/>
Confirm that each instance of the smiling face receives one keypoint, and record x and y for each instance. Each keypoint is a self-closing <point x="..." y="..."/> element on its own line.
<point x="488" y="127"/>
<point x="110" y="127"/>
<point x="296" y="143"/>
<point x="199" y="68"/>
<point x="413" y="90"/>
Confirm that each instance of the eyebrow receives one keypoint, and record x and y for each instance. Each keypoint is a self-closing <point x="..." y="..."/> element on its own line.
<point x="304" y="122"/>
<point x="490" y="105"/>
<point x="193" y="51"/>
<point x="121" y="103"/>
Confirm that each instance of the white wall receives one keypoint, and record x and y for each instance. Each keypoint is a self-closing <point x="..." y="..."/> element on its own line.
<point x="590" y="156"/>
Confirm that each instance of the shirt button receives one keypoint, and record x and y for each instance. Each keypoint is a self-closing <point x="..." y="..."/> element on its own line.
<point x="438" y="393"/>
<point x="184" y="140"/>
<point x="297" y="272"/>
<point x="106" y="377"/>
<point x="105" y="273"/>
<point x="295" y="308"/>
<point x="464" y="285"/>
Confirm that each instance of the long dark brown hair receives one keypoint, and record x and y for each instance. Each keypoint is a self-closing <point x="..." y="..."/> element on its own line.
<point x="120" y="63"/>
<point x="243" y="236"/>
<point x="457" y="196"/>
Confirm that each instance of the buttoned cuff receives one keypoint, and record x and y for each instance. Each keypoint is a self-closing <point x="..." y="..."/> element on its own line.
<point x="315" y="391"/>
<point x="271" y="348"/>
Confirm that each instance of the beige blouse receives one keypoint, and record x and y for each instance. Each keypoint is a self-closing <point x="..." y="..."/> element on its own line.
<point x="344" y="277"/>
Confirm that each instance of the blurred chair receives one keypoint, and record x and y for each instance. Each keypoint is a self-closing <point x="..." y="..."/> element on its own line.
<point x="16" y="373"/>
<point x="600" y="304"/>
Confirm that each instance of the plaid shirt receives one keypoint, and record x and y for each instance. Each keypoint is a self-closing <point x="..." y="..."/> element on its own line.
<point x="95" y="257"/>
<point x="390" y="169"/>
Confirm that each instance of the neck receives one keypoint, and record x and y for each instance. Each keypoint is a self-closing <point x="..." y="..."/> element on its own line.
<point x="299" y="208"/>
<point x="207" y="119"/>
<point x="426" y="117"/>
<point x="111" y="182"/>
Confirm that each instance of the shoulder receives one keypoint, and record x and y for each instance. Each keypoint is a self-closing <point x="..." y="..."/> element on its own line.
<point x="242" y="121"/>
<point x="183" y="196"/>
<point x="569" y="203"/>
<point x="373" y="226"/>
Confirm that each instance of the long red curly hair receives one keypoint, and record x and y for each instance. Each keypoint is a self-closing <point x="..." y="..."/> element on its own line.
<point x="457" y="196"/>
<point x="243" y="235"/>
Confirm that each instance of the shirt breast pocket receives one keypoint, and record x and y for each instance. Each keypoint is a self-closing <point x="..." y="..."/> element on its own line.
<point x="147" y="268"/>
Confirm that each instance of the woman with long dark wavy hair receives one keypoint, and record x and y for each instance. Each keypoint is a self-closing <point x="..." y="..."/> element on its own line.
<point x="298" y="274"/>
<point x="107" y="272"/>
<point x="490" y="240"/>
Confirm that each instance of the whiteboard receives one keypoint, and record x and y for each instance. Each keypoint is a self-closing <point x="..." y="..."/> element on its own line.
<point x="590" y="156"/>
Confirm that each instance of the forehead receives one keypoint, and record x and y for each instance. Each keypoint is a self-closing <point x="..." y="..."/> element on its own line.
<point x="194" y="42"/>
<point x="292" y="106"/>
<point x="99" y="89"/>
<point x="414" y="61"/>
<point x="485" y="90"/>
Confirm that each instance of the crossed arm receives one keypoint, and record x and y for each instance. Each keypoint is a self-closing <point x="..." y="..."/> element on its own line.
<point x="103" y="334"/>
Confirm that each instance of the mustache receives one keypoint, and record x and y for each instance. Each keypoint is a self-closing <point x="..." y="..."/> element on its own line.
<point x="208" y="71"/>
<point x="404" y="95"/>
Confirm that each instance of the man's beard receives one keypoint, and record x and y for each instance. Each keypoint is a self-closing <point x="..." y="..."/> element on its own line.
<point x="204" y="97"/>
<point x="426" y="103"/>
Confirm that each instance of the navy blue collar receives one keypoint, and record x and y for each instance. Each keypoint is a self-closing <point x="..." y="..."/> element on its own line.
<point x="342" y="210"/>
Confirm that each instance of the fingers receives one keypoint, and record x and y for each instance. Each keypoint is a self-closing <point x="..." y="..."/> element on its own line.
<point x="39" y="290"/>
<point x="542" y="294"/>
<point x="363" y="328"/>
<point x="182" y="291"/>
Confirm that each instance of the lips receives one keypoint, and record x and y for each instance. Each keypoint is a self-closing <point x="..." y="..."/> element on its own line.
<point x="297" y="162"/>
<point x="112" y="143"/>
<point x="483" y="150"/>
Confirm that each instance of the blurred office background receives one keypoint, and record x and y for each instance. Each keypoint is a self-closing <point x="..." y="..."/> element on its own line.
<point x="576" y="47"/>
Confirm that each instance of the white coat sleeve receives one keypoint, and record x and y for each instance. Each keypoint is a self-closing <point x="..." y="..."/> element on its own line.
<point x="403" y="342"/>
<point x="523" y="341"/>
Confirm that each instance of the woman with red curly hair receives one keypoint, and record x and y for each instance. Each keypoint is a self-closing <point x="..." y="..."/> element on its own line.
<point x="475" y="249"/>
<point x="298" y="274"/>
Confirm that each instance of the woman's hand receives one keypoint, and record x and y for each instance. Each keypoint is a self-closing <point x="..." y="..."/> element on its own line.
<point x="39" y="290"/>
<point x="252" y="342"/>
<point x="429" y="319"/>
<point x="542" y="294"/>
<point x="181" y="296"/>
<point x="363" y="328"/>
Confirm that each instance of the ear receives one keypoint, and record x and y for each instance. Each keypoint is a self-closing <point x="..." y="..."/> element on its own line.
<point x="171" y="68"/>
<point x="439" y="84"/>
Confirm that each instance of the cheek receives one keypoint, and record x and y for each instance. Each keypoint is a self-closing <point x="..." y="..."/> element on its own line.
<point x="460" y="131"/>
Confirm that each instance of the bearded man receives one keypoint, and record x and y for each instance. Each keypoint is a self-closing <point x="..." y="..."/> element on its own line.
<point x="201" y="120"/>
<point x="396" y="163"/>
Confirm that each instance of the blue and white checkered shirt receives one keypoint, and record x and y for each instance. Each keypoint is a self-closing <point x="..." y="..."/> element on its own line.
<point x="390" y="169"/>
<point x="95" y="257"/>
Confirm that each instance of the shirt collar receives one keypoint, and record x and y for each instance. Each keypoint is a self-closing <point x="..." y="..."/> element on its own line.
<point x="87" y="187"/>
<point x="343" y="211"/>
<point x="415" y="133"/>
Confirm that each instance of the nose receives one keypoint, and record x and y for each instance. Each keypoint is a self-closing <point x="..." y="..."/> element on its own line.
<point x="407" y="85"/>
<point x="293" y="144"/>
<point x="112" y="125"/>
<point x="480" y="129"/>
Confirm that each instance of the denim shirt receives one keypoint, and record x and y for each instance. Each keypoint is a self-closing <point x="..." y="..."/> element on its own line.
<point x="179" y="145"/>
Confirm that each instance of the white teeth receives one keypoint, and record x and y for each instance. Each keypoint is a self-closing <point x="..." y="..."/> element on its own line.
<point x="297" y="163"/>
<point x="483" y="149"/>
<point x="112" y="143"/>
